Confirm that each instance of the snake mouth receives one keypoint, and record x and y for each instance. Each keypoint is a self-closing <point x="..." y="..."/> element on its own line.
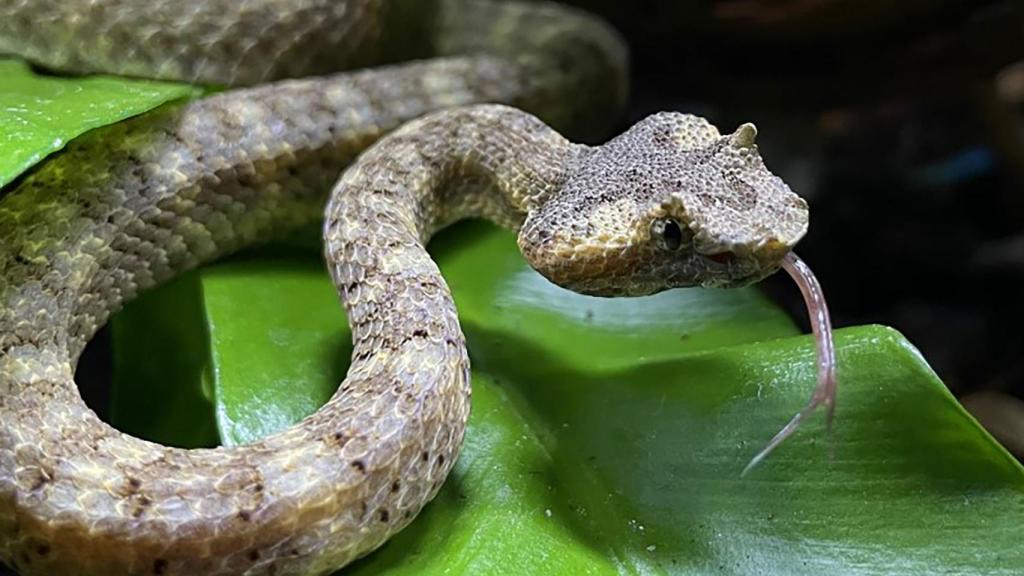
<point x="724" y="258"/>
<point x="737" y="268"/>
<point x="748" y="263"/>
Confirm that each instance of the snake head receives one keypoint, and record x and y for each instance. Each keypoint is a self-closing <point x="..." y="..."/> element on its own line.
<point x="669" y="203"/>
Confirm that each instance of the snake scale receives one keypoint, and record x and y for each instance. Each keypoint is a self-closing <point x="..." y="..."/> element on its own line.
<point x="671" y="202"/>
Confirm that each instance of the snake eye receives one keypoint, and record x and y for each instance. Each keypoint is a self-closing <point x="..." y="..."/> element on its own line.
<point x="669" y="234"/>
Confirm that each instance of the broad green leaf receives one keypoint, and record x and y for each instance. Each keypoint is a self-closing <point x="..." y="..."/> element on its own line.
<point x="40" y="114"/>
<point x="608" y="436"/>
<point x="163" y="338"/>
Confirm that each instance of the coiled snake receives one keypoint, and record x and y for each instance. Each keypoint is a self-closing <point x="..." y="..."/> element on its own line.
<point x="669" y="203"/>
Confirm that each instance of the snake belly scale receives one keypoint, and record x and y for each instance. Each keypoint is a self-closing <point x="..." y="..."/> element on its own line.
<point x="131" y="205"/>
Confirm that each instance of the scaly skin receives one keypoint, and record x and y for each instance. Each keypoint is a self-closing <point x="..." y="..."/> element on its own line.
<point x="570" y="66"/>
<point x="131" y="205"/>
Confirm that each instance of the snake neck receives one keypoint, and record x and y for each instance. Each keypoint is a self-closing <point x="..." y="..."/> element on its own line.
<point x="492" y="162"/>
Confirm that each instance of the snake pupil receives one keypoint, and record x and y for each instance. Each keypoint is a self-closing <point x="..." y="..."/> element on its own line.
<point x="672" y="235"/>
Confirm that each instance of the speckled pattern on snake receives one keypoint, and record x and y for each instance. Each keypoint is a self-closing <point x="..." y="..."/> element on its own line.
<point x="671" y="202"/>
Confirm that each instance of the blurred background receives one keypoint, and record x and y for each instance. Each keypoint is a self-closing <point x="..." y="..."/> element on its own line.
<point x="901" y="124"/>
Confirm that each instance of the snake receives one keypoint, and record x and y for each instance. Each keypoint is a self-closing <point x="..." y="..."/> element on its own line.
<point x="472" y="126"/>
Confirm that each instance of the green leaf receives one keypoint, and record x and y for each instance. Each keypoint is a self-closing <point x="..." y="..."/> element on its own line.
<point x="160" y="344"/>
<point x="608" y="436"/>
<point x="43" y="113"/>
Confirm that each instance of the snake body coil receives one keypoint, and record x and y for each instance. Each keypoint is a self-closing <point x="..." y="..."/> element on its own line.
<point x="131" y="205"/>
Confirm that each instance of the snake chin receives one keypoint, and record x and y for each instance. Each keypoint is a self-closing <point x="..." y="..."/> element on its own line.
<point x="669" y="203"/>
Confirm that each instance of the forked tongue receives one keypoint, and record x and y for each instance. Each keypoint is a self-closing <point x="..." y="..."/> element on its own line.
<point x="825" y="392"/>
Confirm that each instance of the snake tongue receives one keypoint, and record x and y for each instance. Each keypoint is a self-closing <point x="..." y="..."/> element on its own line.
<point x="825" y="392"/>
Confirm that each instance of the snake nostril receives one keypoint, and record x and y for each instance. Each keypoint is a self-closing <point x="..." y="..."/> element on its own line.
<point x="773" y="250"/>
